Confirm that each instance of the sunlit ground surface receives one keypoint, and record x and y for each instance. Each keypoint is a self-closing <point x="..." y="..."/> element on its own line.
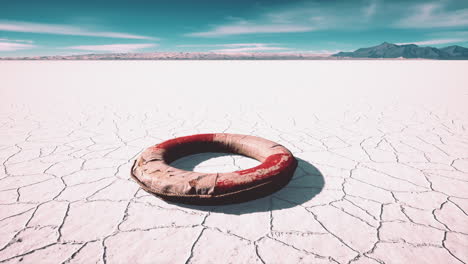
<point x="382" y="149"/>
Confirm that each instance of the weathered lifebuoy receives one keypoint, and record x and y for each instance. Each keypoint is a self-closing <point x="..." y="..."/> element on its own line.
<point x="153" y="173"/>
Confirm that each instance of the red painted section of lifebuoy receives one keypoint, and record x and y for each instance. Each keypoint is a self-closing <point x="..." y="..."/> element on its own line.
<point x="272" y="165"/>
<point x="184" y="140"/>
<point x="270" y="162"/>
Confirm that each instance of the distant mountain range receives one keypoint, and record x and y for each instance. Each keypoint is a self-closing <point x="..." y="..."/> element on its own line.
<point x="408" y="51"/>
<point x="182" y="56"/>
<point x="384" y="50"/>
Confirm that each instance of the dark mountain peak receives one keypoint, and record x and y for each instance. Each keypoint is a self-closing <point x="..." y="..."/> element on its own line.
<point x="387" y="44"/>
<point x="454" y="47"/>
<point x="409" y="45"/>
<point x="456" y="51"/>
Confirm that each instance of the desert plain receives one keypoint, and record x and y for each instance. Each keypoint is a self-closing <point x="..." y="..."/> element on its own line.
<point x="382" y="148"/>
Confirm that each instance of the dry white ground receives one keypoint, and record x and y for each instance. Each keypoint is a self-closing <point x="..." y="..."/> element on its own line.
<point x="383" y="149"/>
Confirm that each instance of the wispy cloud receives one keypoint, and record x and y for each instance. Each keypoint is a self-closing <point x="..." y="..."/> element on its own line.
<point x="9" y="46"/>
<point x="16" y="40"/>
<point x="257" y="47"/>
<point x="249" y="49"/>
<point x="236" y="47"/>
<point x="434" y="15"/>
<point x="305" y="17"/>
<point x="434" y="42"/>
<point x="229" y="45"/>
<point x="318" y="53"/>
<point x="240" y="28"/>
<point x="114" y="48"/>
<point x="17" y="26"/>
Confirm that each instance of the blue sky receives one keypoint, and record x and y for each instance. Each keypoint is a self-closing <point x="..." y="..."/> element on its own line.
<point x="57" y="27"/>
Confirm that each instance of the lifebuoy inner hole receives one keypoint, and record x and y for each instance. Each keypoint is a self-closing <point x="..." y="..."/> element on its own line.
<point x="189" y="148"/>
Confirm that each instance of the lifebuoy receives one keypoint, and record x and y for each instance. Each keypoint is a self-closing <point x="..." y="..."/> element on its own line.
<point x="153" y="173"/>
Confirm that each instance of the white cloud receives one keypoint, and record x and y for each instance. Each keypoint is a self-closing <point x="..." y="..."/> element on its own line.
<point x="114" y="48"/>
<point x="16" y="40"/>
<point x="315" y="52"/>
<point x="8" y="46"/>
<point x="237" y="47"/>
<point x="257" y="47"/>
<point x="248" y="49"/>
<point x="230" y="45"/>
<point x="434" y="41"/>
<point x="240" y="28"/>
<point x="434" y="15"/>
<point x="305" y="17"/>
<point x="16" y="26"/>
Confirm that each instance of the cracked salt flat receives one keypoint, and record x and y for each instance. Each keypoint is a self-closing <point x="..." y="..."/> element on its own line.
<point x="382" y="177"/>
